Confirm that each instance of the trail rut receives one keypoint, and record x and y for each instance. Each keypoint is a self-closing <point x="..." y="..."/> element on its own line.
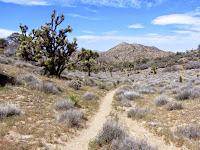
<point x="82" y="140"/>
<point x="94" y="126"/>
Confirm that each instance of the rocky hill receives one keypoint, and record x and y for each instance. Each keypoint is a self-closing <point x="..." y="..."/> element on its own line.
<point x="130" y="52"/>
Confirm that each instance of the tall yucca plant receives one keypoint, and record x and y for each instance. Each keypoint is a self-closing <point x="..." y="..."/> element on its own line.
<point x="52" y="49"/>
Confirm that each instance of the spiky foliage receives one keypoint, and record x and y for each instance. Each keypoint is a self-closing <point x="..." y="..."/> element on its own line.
<point x="154" y="68"/>
<point x="14" y="38"/>
<point x="87" y="58"/>
<point x="48" y="46"/>
<point x="110" y="68"/>
<point x="180" y="79"/>
<point x="3" y="43"/>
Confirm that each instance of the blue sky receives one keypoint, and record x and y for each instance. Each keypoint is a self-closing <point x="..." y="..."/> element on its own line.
<point x="170" y="25"/>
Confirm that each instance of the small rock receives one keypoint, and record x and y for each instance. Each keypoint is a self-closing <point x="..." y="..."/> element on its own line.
<point x="152" y="124"/>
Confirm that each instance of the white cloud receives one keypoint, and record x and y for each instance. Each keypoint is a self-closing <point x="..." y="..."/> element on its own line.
<point x="80" y="16"/>
<point x="176" y="19"/>
<point x="136" y="26"/>
<point x="4" y="33"/>
<point x="183" y="32"/>
<point x="187" y="21"/>
<point x="110" y="32"/>
<point x="152" y="34"/>
<point x="70" y="3"/>
<point x="27" y="2"/>
<point x="86" y="31"/>
<point x="91" y="10"/>
<point x="114" y="3"/>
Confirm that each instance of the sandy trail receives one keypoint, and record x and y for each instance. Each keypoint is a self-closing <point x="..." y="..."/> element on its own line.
<point x="137" y="131"/>
<point x="94" y="126"/>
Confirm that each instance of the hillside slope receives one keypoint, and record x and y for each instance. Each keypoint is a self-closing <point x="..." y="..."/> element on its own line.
<point x="130" y="52"/>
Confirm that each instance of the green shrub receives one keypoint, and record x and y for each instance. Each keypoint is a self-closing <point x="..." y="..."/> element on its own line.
<point x="102" y="85"/>
<point x="180" y="79"/>
<point x="74" y="98"/>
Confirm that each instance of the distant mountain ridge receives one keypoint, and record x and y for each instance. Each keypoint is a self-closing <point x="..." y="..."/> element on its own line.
<point x="130" y="52"/>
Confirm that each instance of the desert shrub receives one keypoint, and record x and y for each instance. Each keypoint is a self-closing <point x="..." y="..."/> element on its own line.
<point x="195" y="92"/>
<point x="189" y="132"/>
<point x="109" y="84"/>
<point x="70" y="117"/>
<point x="130" y="144"/>
<point x="9" y="110"/>
<point x="4" y="60"/>
<point x="174" y="106"/>
<point x="170" y="69"/>
<point x="161" y="100"/>
<point x="136" y="85"/>
<point x="171" y="85"/>
<point x="118" y="82"/>
<point x="22" y="64"/>
<point x="39" y="70"/>
<point x="63" y="104"/>
<point x="102" y="85"/>
<point x="126" y="103"/>
<point x="75" y="84"/>
<point x="175" y="91"/>
<point x="192" y="65"/>
<point x="120" y="97"/>
<point x="147" y="90"/>
<point x="89" y="96"/>
<point x="119" y="91"/>
<point x="186" y="94"/>
<point x="197" y="83"/>
<point x="89" y="82"/>
<point x="74" y="98"/>
<point x="31" y="81"/>
<point x="50" y="88"/>
<point x="142" y="67"/>
<point x="131" y="95"/>
<point x="180" y="79"/>
<point x="111" y="130"/>
<point x="11" y="49"/>
<point x="126" y="87"/>
<point x="138" y="113"/>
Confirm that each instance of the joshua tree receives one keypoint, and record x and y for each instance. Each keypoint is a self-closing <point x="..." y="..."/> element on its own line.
<point x="87" y="59"/>
<point x="110" y="68"/>
<point x="14" y="38"/>
<point x="49" y="47"/>
<point x="154" y="69"/>
<point x="3" y="43"/>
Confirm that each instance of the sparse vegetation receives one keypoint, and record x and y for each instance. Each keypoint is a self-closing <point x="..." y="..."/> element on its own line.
<point x="89" y="96"/>
<point x="9" y="110"/>
<point x="189" y="132"/>
<point x="174" y="106"/>
<point x="70" y="117"/>
<point x="64" y="104"/>
<point x="75" y="84"/>
<point x="137" y="113"/>
<point x="161" y="100"/>
<point x="102" y="85"/>
<point x="111" y="130"/>
<point x="131" y="95"/>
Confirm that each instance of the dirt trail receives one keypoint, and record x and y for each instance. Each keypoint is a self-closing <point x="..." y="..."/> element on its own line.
<point x="81" y="141"/>
<point x="139" y="132"/>
<point x="94" y="126"/>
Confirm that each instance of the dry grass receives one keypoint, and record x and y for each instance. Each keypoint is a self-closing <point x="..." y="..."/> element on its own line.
<point x="161" y="121"/>
<point x="37" y="126"/>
